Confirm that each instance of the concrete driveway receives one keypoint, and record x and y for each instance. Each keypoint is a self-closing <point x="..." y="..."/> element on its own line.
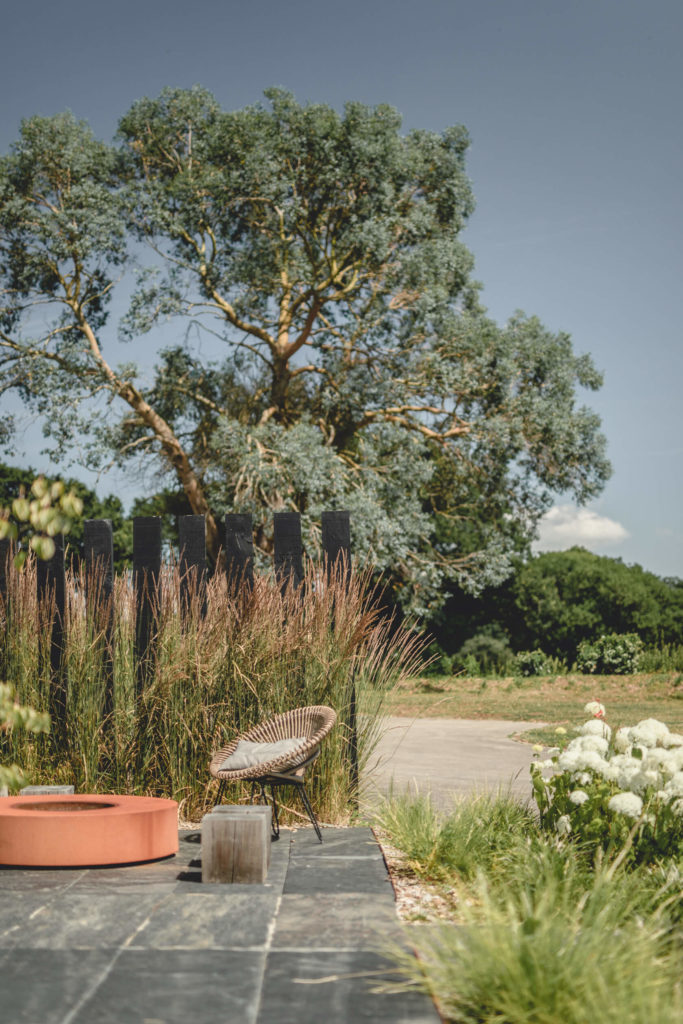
<point x="449" y="756"/>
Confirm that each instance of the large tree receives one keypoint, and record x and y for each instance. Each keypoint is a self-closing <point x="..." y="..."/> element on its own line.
<point x="330" y="347"/>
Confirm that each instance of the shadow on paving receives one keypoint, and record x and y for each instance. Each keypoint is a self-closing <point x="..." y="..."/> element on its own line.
<point x="151" y="944"/>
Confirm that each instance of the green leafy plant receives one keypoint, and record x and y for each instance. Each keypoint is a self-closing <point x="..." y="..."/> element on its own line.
<point x="490" y="653"/>
<point x="532" y="663"/>
<point x="34" y="519"/>
<point x="14" y="717"/>
<point x="613" y="654"/>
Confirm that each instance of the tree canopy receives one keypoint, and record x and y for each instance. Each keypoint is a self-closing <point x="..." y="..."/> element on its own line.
<point x="329" y="348"/>
<point x="555" y="600"/>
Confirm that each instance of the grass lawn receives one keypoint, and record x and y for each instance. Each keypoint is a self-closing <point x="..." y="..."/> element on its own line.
<point x="555" y="700"/>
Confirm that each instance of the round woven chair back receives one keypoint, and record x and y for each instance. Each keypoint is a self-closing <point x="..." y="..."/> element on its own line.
<point x="313" y="722"/>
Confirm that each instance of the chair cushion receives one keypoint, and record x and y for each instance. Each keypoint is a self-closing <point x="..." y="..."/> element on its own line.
<point x="248" y="754"/>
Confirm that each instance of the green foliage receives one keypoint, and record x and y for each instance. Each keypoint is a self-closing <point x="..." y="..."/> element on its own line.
<point x="15" y="481"/>
<point x="36" y="516"/>
<point x="251" y="656"/>
<point x="533" y="663"/>
<point x="14" y="716"/>
<point x="334" y="352"/>
<point x="664" y="658"/>
<point x="555" y="600"/>
<point x="616" y="654"/>
<point x="484" y="654"/>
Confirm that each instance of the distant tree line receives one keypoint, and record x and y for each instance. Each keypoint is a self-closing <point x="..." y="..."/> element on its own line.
<point x="555" y="600"/>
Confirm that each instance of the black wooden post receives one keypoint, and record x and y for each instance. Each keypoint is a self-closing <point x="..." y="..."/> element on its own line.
<point x="336" y="533"/>
<point x="288" y="548"/>
<point x="98" y="544"/>
<point x="336" y="536"/>
<point x="5" y="556"/>
<point x="146" y="583"/>
<point x="51" y="587"/>
<point x="192" y="562"/>
<point x="239" y="549"/>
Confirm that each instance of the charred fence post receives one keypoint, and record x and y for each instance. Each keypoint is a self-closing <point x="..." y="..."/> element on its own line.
<point x="98" y="544"/>
<point x="146" y="584"/>
<point x="51" y="589"/>
<point x="5" y="557"/>
<point x="336" y="541"/>
<point x="287" y="549"/>
<point x="239" y="550"/>
<point x="192" y="562"/>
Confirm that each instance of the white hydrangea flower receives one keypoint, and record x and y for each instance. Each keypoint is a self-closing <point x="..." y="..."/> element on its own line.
<point x="591" y="760"/>
<point x="622" y="740"/>
<point x="627" y="804"/>
<point x="594" y="707"/>
<point x="563" y="825"/>
<point x="582" y="778"/>
<point x="568" y="760"/>
<point x="609" y="772"/>
<point x="643" y="780"/>
<point x="594" y="727"/>
<point x="598" y="743"/>
<point x="675" y="784"/>
<point x="674" y="739"/>
<point x="650" y="732"/>
<point x="578" y="797"/>
<point x="553" y="751"/>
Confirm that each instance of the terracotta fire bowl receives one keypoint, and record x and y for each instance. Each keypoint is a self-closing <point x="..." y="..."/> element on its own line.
<point x="85" y="830"/>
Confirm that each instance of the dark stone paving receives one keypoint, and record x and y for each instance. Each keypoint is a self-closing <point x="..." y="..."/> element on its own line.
<point x="152" y="944"/>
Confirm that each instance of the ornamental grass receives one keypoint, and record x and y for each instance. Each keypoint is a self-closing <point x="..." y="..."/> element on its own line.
<point x="216" y="668"/>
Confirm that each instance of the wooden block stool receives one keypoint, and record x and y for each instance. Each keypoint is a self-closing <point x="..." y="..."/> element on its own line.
<point x="236" y="844"/>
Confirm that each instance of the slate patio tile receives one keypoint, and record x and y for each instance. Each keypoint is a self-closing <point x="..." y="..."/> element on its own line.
<point x="38" y="879"/>
<point x="312" y="874"/>
<point x="42" y="986"/>
<point x="228" y="919"/>
<point x="307" y="988"/>
<point x="156" y="876"/>
<point x="85" y="921"/>
<point x="342" y="920"/>
<point x="177" y="987"/>
<point x="336" y="841"/>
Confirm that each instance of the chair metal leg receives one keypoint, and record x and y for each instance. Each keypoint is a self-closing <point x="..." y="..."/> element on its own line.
<point x="311" y="813"/>
<point x="260" y="786"/>
<point x="221" y="790"/>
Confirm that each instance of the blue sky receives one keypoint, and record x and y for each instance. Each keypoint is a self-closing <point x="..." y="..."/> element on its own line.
<point x="576" y="163"/>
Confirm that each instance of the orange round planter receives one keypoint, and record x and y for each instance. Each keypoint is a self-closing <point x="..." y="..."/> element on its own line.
<point x="82" y="830"/>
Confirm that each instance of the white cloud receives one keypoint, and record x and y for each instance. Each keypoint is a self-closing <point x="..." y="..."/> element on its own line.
<point x="566" y="525"/>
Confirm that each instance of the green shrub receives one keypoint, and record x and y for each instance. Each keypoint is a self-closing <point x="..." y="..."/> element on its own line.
<point x="666" y="658"/>
<point x="485" y="653"/>
<point x="438" y="662"/>
<point x="533" y="663"/>
<point x="613" y="654"/>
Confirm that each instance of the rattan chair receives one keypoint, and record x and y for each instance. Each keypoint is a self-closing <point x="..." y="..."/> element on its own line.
<point x="313" y="723"/>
